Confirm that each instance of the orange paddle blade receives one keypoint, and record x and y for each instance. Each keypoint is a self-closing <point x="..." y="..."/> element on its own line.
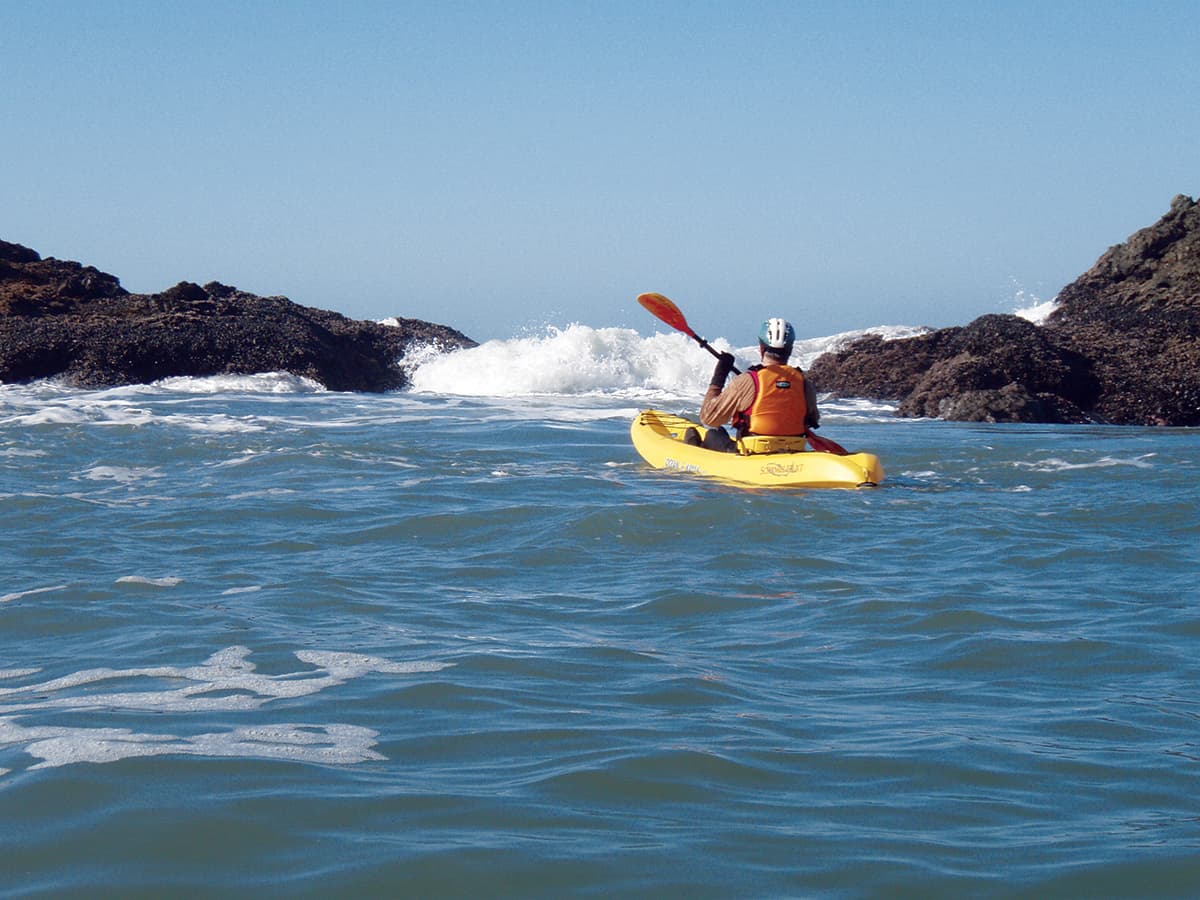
<point x="665" y="310"/>
<point x="825" y="445"/>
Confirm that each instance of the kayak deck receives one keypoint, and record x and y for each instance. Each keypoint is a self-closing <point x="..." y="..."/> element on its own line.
<point x="658" y="438"/>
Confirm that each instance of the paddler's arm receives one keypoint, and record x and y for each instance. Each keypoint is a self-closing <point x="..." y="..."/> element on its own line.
<point x="720" y="405"/>
<point x="812" y="418"/>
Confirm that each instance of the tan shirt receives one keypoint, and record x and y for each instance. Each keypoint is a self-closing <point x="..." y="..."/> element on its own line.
<point x="720" y="406"/>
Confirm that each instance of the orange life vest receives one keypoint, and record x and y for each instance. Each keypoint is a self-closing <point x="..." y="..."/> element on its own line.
<point x="779" y="406"/>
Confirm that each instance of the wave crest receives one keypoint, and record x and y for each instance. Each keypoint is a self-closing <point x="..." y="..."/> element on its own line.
<point x="581" y="360"/>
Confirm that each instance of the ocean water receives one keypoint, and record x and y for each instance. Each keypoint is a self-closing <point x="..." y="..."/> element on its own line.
<point x="259" y="638"/>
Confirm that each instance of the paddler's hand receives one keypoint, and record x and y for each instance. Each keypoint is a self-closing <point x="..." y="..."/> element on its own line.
<point x="721" y="372"/>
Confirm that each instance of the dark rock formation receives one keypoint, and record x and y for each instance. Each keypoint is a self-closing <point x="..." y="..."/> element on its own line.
<point x="998" y="368"/>
<point x="1123" y="346"/>
<point x="62" y="319"/>
<point x="1136" y="316"/>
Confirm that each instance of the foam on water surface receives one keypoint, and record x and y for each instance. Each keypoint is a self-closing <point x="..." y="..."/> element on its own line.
<point x="21" y="595"/>
<point x="165" y="581"/>
<point x="616" y="362"/>
<point x="123" y="474"/>
<point x="570" y="374"/>
<point x="1055" y="464"/>
<point x="262" y="383"/>
<point x="226" y="682"/>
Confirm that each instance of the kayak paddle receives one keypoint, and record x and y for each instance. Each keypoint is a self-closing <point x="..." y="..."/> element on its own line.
<point x="825" y="445"/>
<point x="666" y="311"/>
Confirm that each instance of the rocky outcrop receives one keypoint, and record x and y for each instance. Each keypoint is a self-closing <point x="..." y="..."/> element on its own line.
<point x="65" y="320"/>
<point x="1136" y="316"/>
<point x="1123" y="346"/>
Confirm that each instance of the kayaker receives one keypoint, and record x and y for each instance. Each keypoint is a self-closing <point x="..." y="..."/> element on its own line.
<point x="770" y="399"/>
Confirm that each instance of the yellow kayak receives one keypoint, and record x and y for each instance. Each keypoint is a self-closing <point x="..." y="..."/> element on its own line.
<point x="658" y="437"/>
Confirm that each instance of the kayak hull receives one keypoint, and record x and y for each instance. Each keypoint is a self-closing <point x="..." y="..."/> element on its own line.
<point x="658" y="438"/>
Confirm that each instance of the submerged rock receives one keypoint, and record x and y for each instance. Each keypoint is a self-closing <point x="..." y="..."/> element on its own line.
<point x="1123" y="346"/>
<point x="62" y="319"/>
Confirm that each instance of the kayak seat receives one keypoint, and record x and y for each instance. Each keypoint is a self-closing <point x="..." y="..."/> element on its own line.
<point x="770" y="443"/>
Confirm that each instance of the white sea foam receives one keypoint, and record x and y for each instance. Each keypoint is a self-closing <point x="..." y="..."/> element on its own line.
<point x="218" y="424"/>
<point x="572" y="374"/>
<point x="262" y="383"/>
<point x="47" y="415"/>
<point x="808" y="349"/>
<point x="580" y="360"/>
<point x="1030" y="306"/>
<point x="122" y="474"/>
<point x="328" y="744"/>
<point x="1038" y="313"/>
<point x="52" y="403"/>
<point x="1054" y="464"/>
<point x="569" y="367"/>
<point x="20" y="595"/>
<point x="226" y="681"/>
<point x="169" y="581"/>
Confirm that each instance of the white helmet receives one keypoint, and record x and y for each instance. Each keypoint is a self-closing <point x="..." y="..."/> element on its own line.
<point x="777" y="334"/>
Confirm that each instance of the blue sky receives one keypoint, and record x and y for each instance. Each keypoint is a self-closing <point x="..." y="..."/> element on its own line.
<point x="499" y="166"/>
